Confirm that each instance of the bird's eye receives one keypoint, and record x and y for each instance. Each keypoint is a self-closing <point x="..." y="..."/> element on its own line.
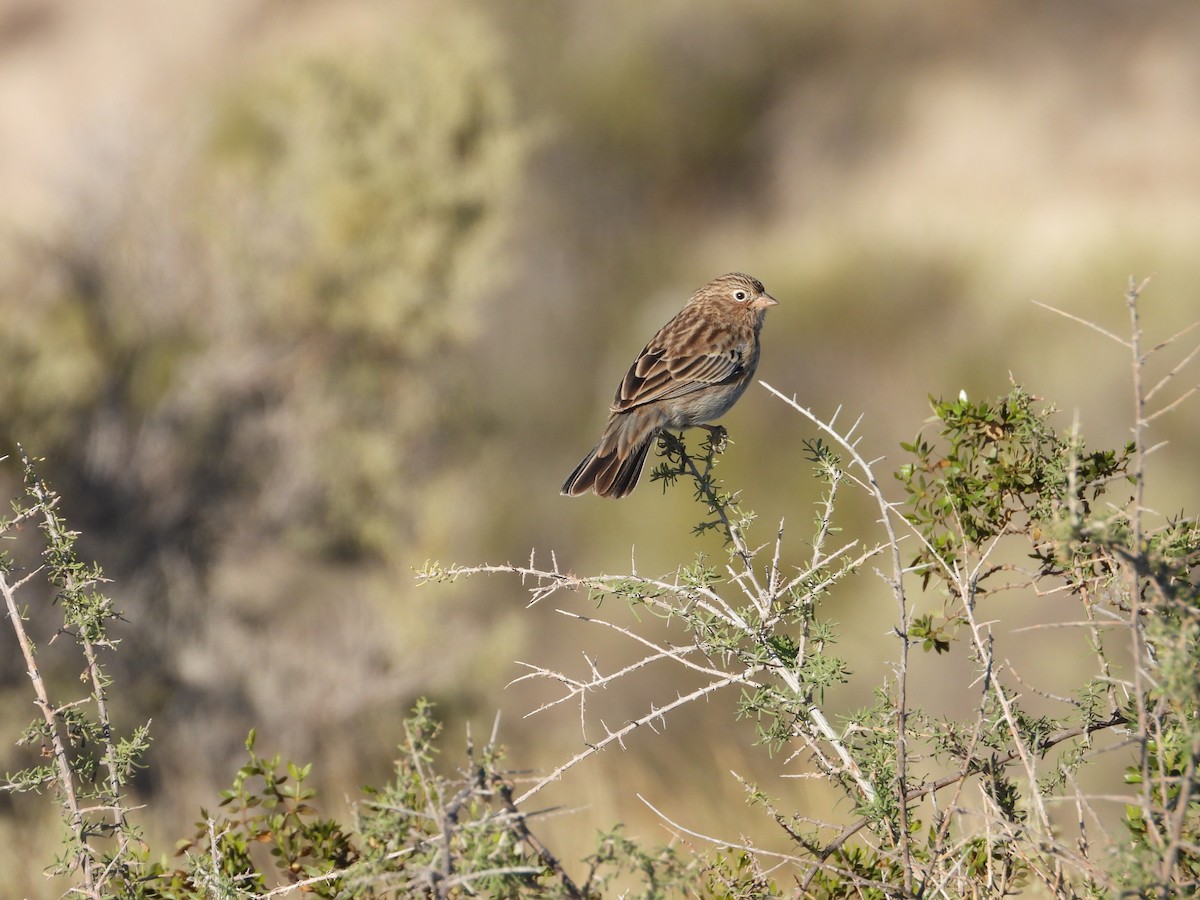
<point x="740" y="296"/>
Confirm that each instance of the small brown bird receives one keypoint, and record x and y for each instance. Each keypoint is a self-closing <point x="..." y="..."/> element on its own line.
<point x="689" y="374"/>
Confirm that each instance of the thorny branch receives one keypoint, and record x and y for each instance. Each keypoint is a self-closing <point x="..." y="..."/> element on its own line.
<point x="771" y="609"/>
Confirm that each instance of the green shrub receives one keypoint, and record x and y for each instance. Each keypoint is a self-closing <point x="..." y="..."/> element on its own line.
<point x="998" y="504"/>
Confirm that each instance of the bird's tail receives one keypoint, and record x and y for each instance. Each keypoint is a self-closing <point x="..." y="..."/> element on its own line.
<point x="607" y="470"/>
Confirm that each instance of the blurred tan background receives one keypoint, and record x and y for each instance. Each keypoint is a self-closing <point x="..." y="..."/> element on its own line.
<point x="296" y="296"/>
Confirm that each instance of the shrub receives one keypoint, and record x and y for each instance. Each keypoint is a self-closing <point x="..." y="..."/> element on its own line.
<point x="999" y="503"/>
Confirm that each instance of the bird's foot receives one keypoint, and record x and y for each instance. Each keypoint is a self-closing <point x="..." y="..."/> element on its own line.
<point x="718" y="437"/>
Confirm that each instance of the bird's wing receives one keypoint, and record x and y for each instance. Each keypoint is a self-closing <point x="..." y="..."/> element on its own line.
<point x="658" y="375"/>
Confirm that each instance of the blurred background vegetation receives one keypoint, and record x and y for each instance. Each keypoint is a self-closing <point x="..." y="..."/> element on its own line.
<point x="297" y="296"/>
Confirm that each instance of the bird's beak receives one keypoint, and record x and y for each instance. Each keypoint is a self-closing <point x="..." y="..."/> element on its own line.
<point x="765" y="301"/>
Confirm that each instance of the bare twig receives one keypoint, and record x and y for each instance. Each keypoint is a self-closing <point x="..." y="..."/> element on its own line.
<point x="896" y="581"/>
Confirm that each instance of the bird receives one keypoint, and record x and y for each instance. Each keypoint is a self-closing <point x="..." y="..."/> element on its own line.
<point x="690" y="373"/>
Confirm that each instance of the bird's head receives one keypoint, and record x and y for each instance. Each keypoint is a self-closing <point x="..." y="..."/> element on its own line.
<point x="739" y="290"/>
